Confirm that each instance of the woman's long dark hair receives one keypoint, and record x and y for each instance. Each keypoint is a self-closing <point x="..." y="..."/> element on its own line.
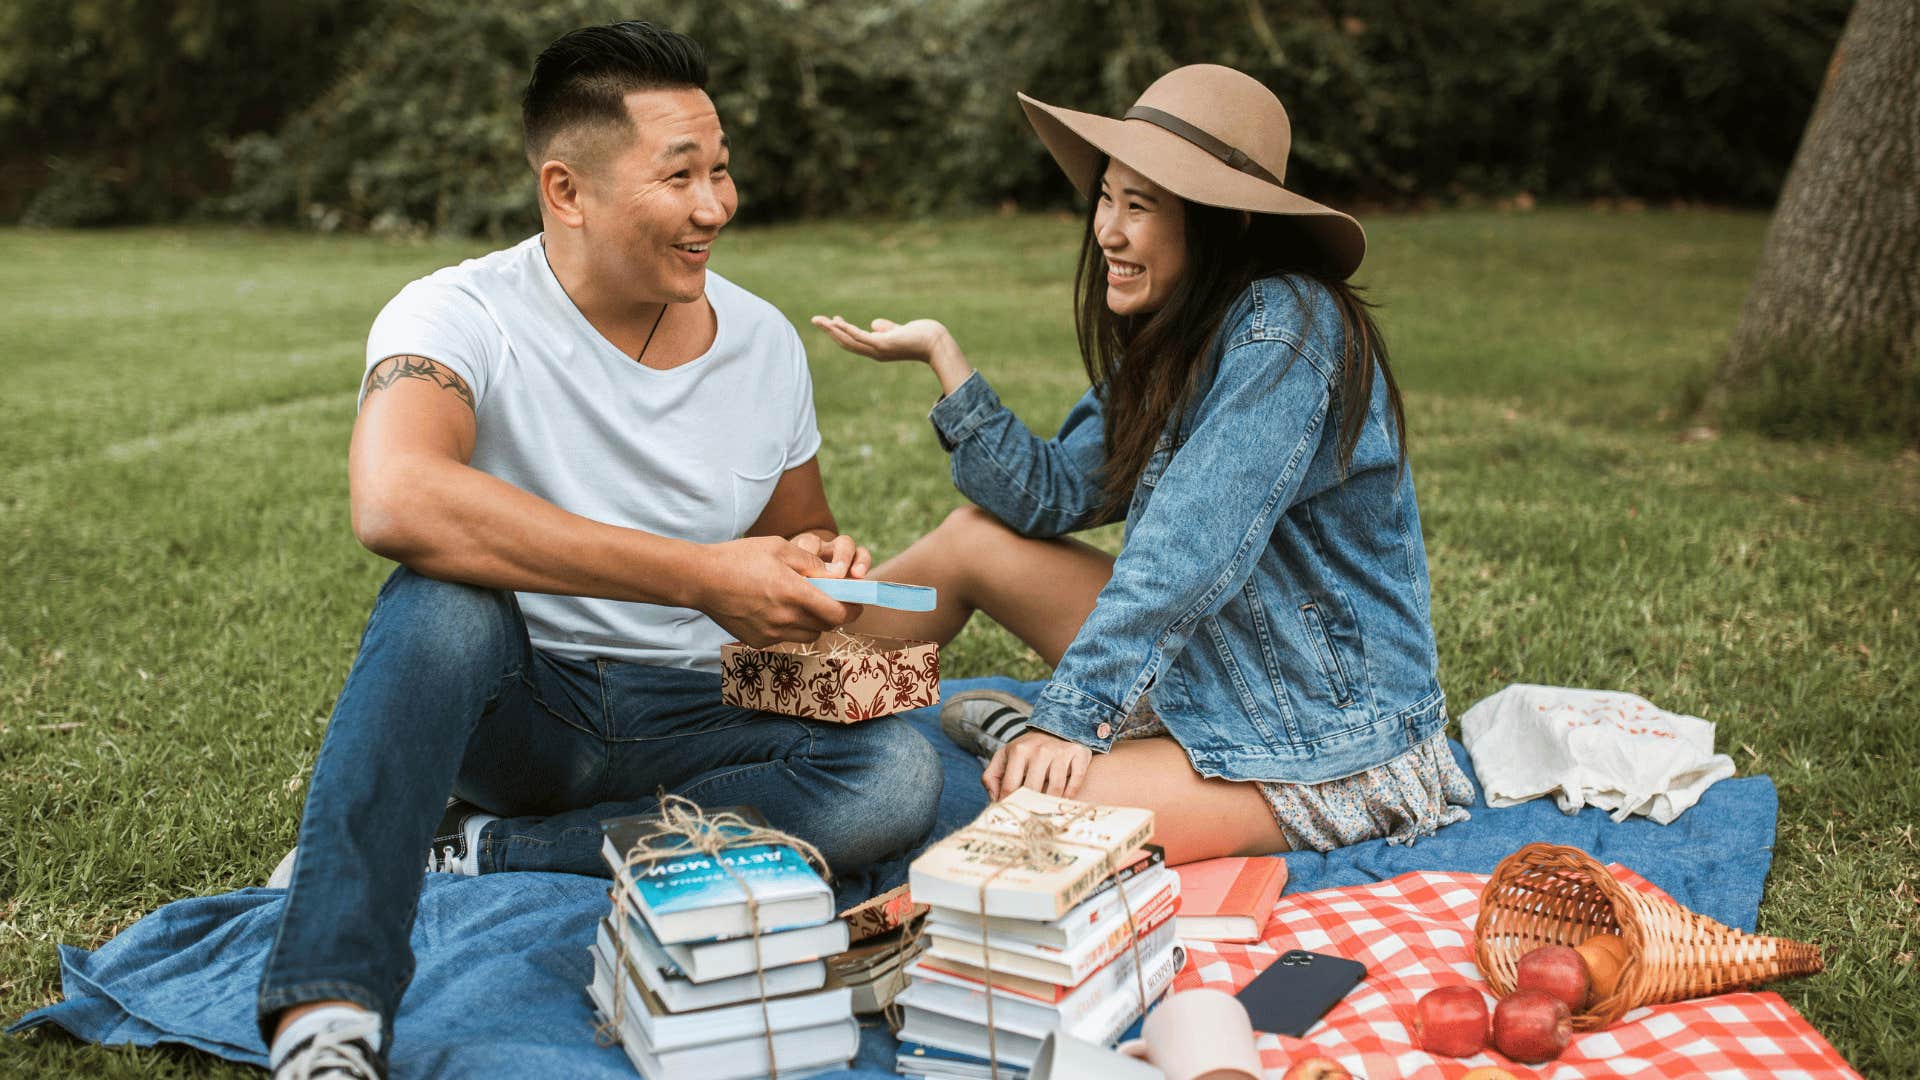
<point x="1146" y="364"/>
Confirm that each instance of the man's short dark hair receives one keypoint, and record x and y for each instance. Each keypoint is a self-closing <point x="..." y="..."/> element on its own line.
<point x="583" y="78"/>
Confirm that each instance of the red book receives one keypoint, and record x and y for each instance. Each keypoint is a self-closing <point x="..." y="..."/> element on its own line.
<point x="1228" y="899"/>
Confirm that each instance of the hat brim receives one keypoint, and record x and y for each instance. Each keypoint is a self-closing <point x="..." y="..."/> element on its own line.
<point x="1078" y="141"/>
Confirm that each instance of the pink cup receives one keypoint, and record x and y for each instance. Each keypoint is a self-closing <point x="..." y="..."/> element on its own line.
<point x="1199" y="1035"/>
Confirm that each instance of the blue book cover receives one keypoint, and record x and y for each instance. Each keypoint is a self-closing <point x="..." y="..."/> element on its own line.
<point x="694" y="881"/>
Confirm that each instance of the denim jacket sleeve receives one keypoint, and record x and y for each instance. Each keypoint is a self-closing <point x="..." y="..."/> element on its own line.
<point x="1038" y="487"/>
<point x="1252" y="436"/>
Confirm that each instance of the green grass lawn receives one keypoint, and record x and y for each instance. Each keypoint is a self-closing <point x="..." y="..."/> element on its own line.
<point x="183" y="594"/>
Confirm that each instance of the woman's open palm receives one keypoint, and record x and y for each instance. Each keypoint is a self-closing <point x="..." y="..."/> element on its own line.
<point x="886" y="340"/>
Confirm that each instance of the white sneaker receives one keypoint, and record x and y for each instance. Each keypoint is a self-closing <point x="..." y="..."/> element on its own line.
<point x="450" y="853"/>
<point x="282" y="875"/>
<point x="345" y="1047"/>
<point x="982" y="721"/>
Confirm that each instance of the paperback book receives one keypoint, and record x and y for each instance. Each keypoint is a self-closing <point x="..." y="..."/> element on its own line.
<point x="678" y="993"/>
<point x="1067" y="967"/>
<point x="1140" y="876"/>
<point x="986" y="868"/>
<point x="1097" y="1017"/>
<point x="689" y="896"/>
<point x="646" y="1017"/>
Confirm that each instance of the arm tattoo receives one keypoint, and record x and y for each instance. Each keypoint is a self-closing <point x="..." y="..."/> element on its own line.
<point x="394" y="368"/>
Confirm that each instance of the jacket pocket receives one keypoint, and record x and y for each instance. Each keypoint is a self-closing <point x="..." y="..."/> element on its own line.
<point x="1324" y="652"/>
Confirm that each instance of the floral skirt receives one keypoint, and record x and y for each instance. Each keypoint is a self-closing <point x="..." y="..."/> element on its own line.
<point x="1402" y="800"/>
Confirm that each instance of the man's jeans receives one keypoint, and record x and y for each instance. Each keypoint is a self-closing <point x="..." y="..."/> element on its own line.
<point x="448" y="695"/>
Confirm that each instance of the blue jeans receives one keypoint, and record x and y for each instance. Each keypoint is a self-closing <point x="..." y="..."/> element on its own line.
<point x="448" y="695"/>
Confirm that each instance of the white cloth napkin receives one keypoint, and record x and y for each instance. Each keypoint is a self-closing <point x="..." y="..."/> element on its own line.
<point x="1590" y="748"/>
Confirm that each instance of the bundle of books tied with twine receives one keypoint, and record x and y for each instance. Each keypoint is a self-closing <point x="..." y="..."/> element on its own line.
<point x="711" y="964"/>
<point x="1545" y="894"/>
<point x="1046" y="915"/>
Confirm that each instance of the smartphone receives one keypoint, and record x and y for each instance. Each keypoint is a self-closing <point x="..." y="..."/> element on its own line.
<point x="1297" y="990"/>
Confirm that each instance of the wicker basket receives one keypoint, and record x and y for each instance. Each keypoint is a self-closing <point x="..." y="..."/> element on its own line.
<point x="1544" y="894"/>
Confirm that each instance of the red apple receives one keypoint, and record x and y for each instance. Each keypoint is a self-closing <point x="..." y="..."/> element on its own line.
<point x="1452" y="1021"/>
<point x="1317" y="1068"/>
<point x="1560" y="971"/>
<point x="1532" y="1026"/>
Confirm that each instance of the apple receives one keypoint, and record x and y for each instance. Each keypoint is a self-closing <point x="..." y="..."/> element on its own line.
<point x="1452" y="1021"/>
<point x="1317" y="1068"/>
<point x="1559" y="971"/>
<point x="1532" y="1026"/>
<point x="1606" y="955"/>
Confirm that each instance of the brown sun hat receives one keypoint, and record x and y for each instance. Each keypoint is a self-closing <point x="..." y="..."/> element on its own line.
<point x="1210" y="135"/>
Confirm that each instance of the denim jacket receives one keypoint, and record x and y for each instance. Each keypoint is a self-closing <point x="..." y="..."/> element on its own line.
<point x="1272" y="610"/>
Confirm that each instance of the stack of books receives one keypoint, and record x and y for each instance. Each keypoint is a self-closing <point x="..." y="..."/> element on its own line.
<point x="675" y="962"/>
<point x="1060" y="950"/>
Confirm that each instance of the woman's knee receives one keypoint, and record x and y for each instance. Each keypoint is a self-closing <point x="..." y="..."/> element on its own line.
<point x="969" y="525"/>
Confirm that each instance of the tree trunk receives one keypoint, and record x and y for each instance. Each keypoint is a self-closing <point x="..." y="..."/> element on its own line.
<point x="1837" y="292"/>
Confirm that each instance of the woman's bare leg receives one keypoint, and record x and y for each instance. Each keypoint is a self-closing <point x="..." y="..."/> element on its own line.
<point x="1193" y="817"/>
<point x="1040" y="590"/>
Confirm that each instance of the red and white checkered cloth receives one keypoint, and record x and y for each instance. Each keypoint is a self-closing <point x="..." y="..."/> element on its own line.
<point x="1415" y="932"/>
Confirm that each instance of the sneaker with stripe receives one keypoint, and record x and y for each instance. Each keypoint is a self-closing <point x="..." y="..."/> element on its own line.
<point x="982" y="721"/>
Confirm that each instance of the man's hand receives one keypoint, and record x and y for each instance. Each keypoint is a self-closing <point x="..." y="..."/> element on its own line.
<point x="756" y="589"/>
<point x="842" y="558"/>
<point x="1040" y="760"/>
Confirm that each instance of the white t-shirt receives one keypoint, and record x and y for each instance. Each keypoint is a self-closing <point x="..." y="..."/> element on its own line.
<point x="693" y="452"/>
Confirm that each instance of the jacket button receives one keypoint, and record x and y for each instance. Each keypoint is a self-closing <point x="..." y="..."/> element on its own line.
<point x="1105" y="730"/>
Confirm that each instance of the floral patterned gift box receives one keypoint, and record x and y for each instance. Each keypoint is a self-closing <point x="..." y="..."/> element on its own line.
<point x="843" y="677"/>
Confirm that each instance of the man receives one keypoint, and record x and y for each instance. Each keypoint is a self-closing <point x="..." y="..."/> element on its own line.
<point x="563" y="444"/>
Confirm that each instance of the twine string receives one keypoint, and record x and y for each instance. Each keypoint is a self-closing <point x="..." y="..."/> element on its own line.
<point x="682" y="826"/>
<point x="1040" y="835"/>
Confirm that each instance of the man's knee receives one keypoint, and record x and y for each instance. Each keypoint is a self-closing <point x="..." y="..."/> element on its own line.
<point x="451" y="620"/>
<point x="890" y="798"/>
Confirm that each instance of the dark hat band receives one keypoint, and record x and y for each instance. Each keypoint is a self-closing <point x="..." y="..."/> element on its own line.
<point x="1232" y="156"/>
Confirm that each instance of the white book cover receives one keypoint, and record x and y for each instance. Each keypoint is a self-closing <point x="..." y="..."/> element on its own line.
<point x="1097" y="1013"/>
<point x="811" y="1048"/>
<point x="1061" y="967"/>
<point x="986" y="868"/>
<point x="680" y="994"/>
<point x="1144" y="908"/>
<point x="709" y="960"/>
<point x="1076" y="925"/>
<point x="1010" y="1046"/>
<point x="662" y="1030"/>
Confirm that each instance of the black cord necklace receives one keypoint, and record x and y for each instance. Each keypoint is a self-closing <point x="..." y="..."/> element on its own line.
<point x="657" y="319"/>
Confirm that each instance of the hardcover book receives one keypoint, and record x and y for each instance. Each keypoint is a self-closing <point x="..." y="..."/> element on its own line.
<point x="1140" y="879"/>
<point x="690" y="896"/>
<point x="987" y="865"/>
<point x="648" y="959"/>
<point x="1070" y="1003"/>
<point x="1229" y="899"/>
<point x="706" y="961"/>
<point x="1068" y="967"/>
<point x="661" y="1029"/>
<point x="1097" y="1017"/>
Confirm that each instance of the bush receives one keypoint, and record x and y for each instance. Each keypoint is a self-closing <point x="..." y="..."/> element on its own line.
<point x="905" y="106"/>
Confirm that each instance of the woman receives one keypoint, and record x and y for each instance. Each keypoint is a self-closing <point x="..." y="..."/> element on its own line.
<point x="1257" y="665"/>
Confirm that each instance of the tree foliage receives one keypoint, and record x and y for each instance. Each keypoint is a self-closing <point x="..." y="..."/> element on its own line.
<point x="119" y="110"/>
<point x="900" y="106"/>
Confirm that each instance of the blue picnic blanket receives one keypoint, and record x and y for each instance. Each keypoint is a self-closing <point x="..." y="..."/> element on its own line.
<point x="503" y="958"/>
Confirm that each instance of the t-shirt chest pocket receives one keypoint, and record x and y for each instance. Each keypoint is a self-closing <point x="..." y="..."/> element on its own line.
<point x="754" y="473"/>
